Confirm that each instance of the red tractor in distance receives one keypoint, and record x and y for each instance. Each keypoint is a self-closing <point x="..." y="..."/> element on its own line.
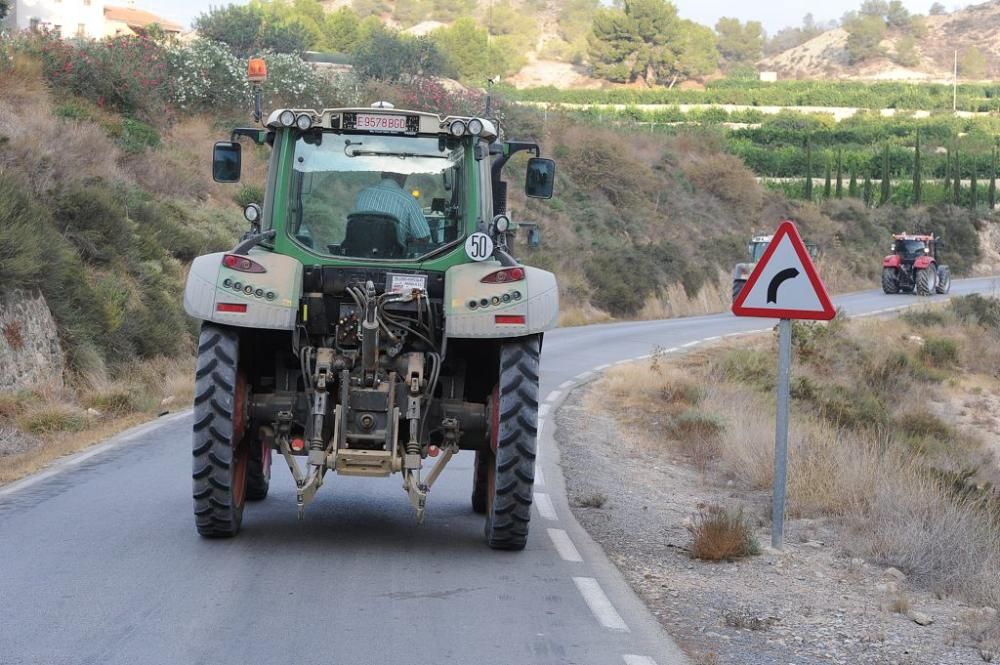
<point x="913" y="266"/>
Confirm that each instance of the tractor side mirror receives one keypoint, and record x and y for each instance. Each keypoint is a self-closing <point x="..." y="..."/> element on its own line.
<point x="540" y="178"/>
<point x="226" y="161"/>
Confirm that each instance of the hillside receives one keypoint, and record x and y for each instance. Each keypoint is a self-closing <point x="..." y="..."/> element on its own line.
<point x="826" y="56"/>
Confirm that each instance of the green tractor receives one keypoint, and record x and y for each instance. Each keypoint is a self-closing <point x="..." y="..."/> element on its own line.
<point x="374" y="318"/>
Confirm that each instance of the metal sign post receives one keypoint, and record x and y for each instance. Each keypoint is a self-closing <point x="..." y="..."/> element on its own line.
<point x="784" y="286"/>
<point x="781" y="434"/>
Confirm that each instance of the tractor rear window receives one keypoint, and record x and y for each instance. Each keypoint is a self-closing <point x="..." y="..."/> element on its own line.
<point x="910" y="247"/>
<point x="375" y="197"/>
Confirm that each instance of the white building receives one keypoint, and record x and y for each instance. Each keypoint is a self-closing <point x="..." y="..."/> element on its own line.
<point x="83" y="18"/>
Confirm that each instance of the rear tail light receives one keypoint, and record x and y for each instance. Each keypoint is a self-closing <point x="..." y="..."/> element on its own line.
<point x="241" y="263"/>
<point x="510" y="319"/>
<point x="234" y="307"/>
<point x="504" y="276"/>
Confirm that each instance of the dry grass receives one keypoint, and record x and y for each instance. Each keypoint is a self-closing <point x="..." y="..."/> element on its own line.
<point x="38" y="427"/>
<point x="719" y="534"/>
<point x="896" y="506"/>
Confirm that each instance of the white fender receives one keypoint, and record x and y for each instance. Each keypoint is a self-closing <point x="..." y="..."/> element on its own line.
<point x="512" y="308"/>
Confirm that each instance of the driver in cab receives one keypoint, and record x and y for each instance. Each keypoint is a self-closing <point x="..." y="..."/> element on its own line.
<point x="389" y="197"/>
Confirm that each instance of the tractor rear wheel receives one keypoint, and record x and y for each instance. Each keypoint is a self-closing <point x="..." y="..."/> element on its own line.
<point x="221" y="450"/>
<point x="258" y="472"/>
<point x="480" y="480"/>
<point x="944" y="280"/>
<point x="513" y="431"/>
<point x="890" y="281"/>
<point x="926" y="281"/>
<point x="737" y="287"/>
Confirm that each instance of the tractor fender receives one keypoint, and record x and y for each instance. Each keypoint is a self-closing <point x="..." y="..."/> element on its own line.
<point x="922" y="262"/>
<point x="891" y="261"/>
<point x="743" y="270"/>
<point x="268" y="299"/>
<point x="513" y="308"/>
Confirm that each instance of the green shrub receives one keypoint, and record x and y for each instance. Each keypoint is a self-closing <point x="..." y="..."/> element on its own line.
<point x="250" y="194"/>
<point x="718" y="534"/>
<point x="755" y="368"/>
<point x="54" y="419"/>
<point x="136" y="136"/>
<point x="94" y="220"/>
<point x="697" y="424"/>
<point x="940" y="351"/>
<point x="852" y="408"/>
<point x="978" y="309"/>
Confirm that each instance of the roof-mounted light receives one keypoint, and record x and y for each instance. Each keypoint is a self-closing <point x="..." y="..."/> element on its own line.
<point x="476" y="127"/>
<point x="304" y="122"/>
<point x="383" y="105"/>
<point x="256" y="70"/>
<point x="457" y="128"/>
<point x="252" y="213"/>
<point x="287" y="118"/>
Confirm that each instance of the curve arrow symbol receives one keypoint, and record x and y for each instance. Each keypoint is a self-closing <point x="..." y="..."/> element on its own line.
<point x="777" y="280"/>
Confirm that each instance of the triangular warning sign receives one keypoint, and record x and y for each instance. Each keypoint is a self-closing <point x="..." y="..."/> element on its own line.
<point x="784" y="285"/>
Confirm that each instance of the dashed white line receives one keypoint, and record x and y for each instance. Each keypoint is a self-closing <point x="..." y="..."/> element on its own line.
<point x="564" y="546"/>
<point x="599" y="604"/>
<point x="632" y="659"/>
<point x="539" y="477"/>
<point x="553" y="396"/>
<point x="566" y="384"/>
<point x="545" y="508"/>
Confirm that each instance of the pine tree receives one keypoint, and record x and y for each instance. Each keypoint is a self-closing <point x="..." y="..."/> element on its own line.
<point x="809" y="172"/>
<point x="993" y="180"/>
<point x="886" y="190"/>
<point x="973" y="188"/>
<point x="827" y="186"/>
<point x="840" y="173"/>
<point x="947" y="171"/>
<point x="916" y="172"/>
<point x="852" y="186"/>
<point x="868" y="194"/>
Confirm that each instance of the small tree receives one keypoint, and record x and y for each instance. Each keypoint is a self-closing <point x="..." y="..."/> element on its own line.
<point x="868" y="195"/>
<point x="885" y="192"/>
<point x="852" y="186"/>
<point x="840" y="173"/>
<point x="956" y="180"/>
<point x="947" y="170"/>
<point x="973" y="188"/>
<point x="917" y="182"/>
<point x="827" y="185"/>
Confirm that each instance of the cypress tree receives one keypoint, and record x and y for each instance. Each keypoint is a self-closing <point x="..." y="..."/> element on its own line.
<point x="973" y="188"/>
<point x="956" y="180"/>
<point x="916" y="172"/>
<point x="827" y="188"/>
<point x="993" y="180"/>
<point x="852" y="186"/>
<point x="947" y="171"/>
<point x="868" y="194"/>
<point x="809" y="172"/>
<point x="840" y="173"/>
<point x="886" y="190"/>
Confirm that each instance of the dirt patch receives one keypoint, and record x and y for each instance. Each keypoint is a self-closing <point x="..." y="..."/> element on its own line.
<point x="815" y="602"/>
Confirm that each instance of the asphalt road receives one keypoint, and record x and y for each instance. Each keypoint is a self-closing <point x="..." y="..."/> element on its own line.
<point x="100" y="563"/>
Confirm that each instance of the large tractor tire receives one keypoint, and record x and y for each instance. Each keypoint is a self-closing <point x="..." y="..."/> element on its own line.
<point x="737" y="287"/>
<point x="890" y="281"/>
<point x="258" y="472"/>
<point x="926" y="281"/>
<point x="481" y="481"/>
<point x="221" y="445"/>
<point x="513" y="432"/>
<point x="944" y="280"/>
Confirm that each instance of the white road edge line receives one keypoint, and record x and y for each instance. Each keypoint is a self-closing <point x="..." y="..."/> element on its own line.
<point x="583" y="375"/>
<point x="564" y="546"/>
<point x="59" y="466"/>
<point x="545" y="508"/>
<point x="712" y="339"/>
<point x="539" y="478"/>
<point x="601" y="368"/>
<point x="600" y="605"/>
<point x="689" y="344"/>
<point x="553" y="396"/>
<point x="543" y="410"/>
<point x="632" y="659"/>
<point x="671" y="349"/>
<point x="566" y="384"/>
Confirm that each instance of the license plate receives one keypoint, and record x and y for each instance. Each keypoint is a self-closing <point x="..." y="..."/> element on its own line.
<point x="406" y="283"/>
<point x="380" y="123"/>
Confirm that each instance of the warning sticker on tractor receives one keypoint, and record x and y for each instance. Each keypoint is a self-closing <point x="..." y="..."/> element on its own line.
<point x="399" y="283"/>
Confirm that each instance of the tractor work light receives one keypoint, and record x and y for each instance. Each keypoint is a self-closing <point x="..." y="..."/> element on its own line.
<point x="501" y="223"/>
<point x="304" y="122"/>
<point x="241" y="264"/>
<point x="475" y="126"/>
<point x="252" y="213"/>
<point x="256" y="70"/>
<point x="286" y="118"/>
<point x="457" y="128"/>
